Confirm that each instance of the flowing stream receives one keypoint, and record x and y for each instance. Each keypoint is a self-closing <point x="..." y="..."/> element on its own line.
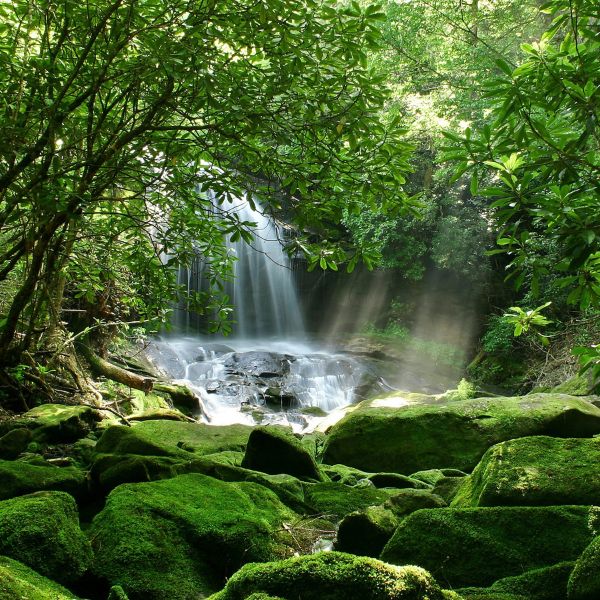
<point x="267" y="371"/>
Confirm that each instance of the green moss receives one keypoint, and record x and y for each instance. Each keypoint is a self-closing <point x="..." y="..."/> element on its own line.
<point x="171" y="438"/>
<point x="447" y="488"/>
<point x="227" y="457"/>
<point x="375" y="438"/>
<point x="42" y="531"/>
<point x="58" y="423"/>
<point x="432" y="476"/>
<point x="539" y="470"/>
<point x="332" y="576"/>
<point x="18" y="581"/>
<point x="408" y="501"/>
<point x="479" y="546"/>
<point x="344" y="474"/>
<point x="584" y="583"/>
<point x="117" y="593"/>
<point x="366" y="532"/>
<point x="275" y="449"/>
<point x="20" y="477"/>
<point x="549" y="583"/>
<point x="14" y="442"/>
<point x="179" y="538"/>
<point x="579" y="385"/>
<point x="337" y="500"/>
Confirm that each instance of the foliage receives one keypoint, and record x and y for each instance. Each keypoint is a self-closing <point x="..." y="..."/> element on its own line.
<point x="118" y="117"/>
<point x="528" y="320"/>
<point x="541" y="146"/>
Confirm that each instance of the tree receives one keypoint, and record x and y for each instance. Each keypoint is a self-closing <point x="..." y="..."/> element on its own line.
<point x="118" y="116"/>
<point x="542" y="147"/>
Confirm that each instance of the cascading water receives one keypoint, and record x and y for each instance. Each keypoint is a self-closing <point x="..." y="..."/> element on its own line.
<point x="267" y="371"/>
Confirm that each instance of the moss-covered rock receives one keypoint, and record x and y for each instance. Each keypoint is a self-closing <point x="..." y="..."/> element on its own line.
<point x="479" y="546"/>
<point x="332" y="576"/>
<point x="179" y="538"/>
<point x="432" y="476"/>
<point x="14" y="442"/>
<point x="447" y="487"/>
<point x="20" y="477"/>
<point x="395" y="480"/>
<point x="536" y="470"/>
<point x="584" y="583"/>
<point x="171" y="438"/>
<point x="405" y="502"/>
<point x="59" y="423"/>
<point x="19" y="582"/>
<point x="415" y="437"/>
<point x="156" y="414"/>
<point x="344" y="474"/>
<point x="42" y="531"/>
<point x="336" y="500"/>
<point x="117" y="593"/>
<point x="548" y="583"/>
<point x="274" y="449"/>
<point x="366" y="532"/>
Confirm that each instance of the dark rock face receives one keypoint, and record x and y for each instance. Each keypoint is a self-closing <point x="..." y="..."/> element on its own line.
<point x="259" y="364"/>
<point x="14" y="442"/>
<point x="276" y="450"/>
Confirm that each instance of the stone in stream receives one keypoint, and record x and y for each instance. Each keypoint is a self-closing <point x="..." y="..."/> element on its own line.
<point x="259" y="364"/>
<point x="382" y="435"/>
<point x="332" y="576"/>
<point x="536" y="470"/>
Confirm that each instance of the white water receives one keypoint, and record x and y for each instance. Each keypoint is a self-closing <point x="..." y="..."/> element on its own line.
<point x="231" y="375"/>
<point x="232" y="378"/>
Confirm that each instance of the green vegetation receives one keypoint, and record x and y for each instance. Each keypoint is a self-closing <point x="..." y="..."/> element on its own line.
<point x="479" y="546"/>
<point x="332" y="576"/>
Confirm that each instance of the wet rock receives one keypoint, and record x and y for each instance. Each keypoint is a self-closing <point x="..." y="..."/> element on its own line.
<point x="259" y="364"/>
<point x="276" y="397"/>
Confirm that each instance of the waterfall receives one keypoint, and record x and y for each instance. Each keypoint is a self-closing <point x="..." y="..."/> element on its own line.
<point x="262" y="291"/>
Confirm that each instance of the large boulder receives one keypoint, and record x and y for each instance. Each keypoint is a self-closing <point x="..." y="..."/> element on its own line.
<point x="478" y="546"/>
<point x="375" y="437"/>
<point x="19" y="477"/>
<point x="276" y="450"/>
<point x="42" y="531"/>
<point x="172" y="438"/>
<point x="180" y="538"/>
<point x="19" y="582"/>
<point x="332" y="576"/>
<point x="539" y="470"/>
<point x="584" y="583"/>
<point x="59" y="423"/>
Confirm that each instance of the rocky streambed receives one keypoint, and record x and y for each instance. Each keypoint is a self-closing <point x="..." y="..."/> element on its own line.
<point x="421" y="498"/>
